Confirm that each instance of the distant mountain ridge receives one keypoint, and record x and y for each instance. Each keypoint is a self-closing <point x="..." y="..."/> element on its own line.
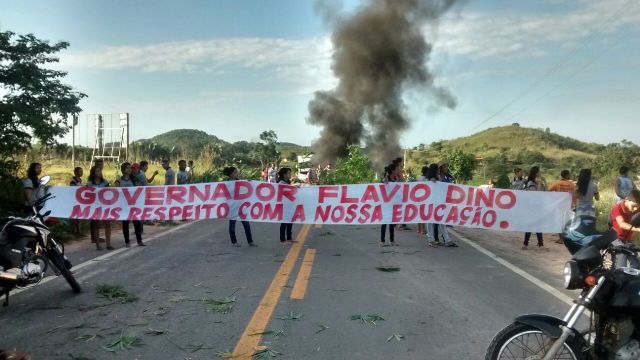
<point x="181" y="136"/>
<point x="511" y="139"/>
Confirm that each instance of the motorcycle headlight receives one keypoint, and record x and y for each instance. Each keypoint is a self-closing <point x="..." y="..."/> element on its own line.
<point x="572" y="275"/>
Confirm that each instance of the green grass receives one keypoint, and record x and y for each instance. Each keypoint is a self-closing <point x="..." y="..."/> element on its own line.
<point x="115" y="293"/>
<point x="603" y="207"/>
<point x="220" y="305"/>
<point x="367" y="318"/>
<point x="61" y="171"/>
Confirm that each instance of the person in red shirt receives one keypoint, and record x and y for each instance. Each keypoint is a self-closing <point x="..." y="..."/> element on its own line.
<point x="621" y="215"/>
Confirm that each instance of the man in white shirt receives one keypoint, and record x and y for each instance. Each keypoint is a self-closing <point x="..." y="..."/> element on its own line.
<point x="169" y="175"/>
<point x="190" y="172"/>
<point x="272" y="173"/>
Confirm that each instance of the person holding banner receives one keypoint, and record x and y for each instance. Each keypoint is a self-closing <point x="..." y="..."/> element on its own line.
<point x="169" y="175"/>
<point x="284" y="177"/>
<point x="390" y="175"/>
<point x="126" y="180"/>
<point x="96" y="180"/>
<point x="445" y="175"/>
<point x="421" y="226"/>
<point x="434" y="231"/>
<point x="33" y="190"/>
<point x="76" y="180"/>
<point x="400" y="177"/>
<point x="535" y="182"/>
<point x="518" y="182"/>
<point x="182" y="176"/>
<point x="232" y="175"/>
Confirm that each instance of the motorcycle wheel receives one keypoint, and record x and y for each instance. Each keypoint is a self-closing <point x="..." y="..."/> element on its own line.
<point x="64" y="271"/>
<point x="523" y="342"/>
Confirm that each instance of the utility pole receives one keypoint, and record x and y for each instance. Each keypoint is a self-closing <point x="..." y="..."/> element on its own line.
<point x="73" y="141"/>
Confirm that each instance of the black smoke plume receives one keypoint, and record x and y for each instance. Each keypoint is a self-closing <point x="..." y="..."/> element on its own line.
<point x="379" y="51"/>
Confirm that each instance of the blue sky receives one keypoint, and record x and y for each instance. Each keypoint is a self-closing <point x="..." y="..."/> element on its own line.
<point x="235" y="67"/>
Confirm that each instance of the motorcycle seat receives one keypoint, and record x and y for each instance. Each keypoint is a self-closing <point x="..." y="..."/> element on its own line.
<point x="4" y="239"/>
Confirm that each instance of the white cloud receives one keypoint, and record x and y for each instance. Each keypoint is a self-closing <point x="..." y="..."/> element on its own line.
<point x="306" y="63"/>
<point x="303" y="62"/>
<point x="504" y="34"/>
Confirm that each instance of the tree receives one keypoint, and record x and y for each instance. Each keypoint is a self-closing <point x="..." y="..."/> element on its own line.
<point x="497" y="165"/>
<point x="461" y="164"/>
<point x="354" y="169"/>
<point x="437" y="145"/>
<point x="35" y="104"/>
<point x="270" y="146"/>
<point x="609" y="161"/>
<point x="502" y="182"/>
<point x="530" y="157"/>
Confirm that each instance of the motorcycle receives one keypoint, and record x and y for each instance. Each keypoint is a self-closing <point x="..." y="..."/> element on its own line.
<point x="612" y="295"/>
<point x="27" y="251"/>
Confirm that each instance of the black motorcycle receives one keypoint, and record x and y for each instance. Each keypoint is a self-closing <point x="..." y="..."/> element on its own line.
<point x="27" y="250"/>
<point x="611" y="295"/>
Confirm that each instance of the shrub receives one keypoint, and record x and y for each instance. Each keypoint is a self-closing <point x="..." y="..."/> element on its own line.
<point x="354" y="169"/>
<point x="11" y="194"/>
<point x="503" y="182"/>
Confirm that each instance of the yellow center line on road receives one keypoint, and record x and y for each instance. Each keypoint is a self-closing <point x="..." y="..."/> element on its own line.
<point x="258" y="324"/>
<point x="300" y="287"/>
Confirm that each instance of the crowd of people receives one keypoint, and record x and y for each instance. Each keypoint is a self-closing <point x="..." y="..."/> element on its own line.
<point x="270" y="174"/>
<point x="130" y="175"/>
<point x="584" y="192"/>
<point x="436" y="234"/>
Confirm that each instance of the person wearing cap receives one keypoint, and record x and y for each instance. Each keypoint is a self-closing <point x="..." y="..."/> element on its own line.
<point x="445" y="175"/>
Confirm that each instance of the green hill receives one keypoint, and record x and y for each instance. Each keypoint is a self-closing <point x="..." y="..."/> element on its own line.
<point x="515" y="146"/>
<point x="287" y="149"/>
<point x="196" y="138"/>
<point x="190" y="144"/>
<point x="516" y="138"/>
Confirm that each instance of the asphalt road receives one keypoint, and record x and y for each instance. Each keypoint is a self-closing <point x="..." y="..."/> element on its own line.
<point x="443" y="303"/>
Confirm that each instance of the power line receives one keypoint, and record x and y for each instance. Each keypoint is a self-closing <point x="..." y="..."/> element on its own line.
<point x="562" y="83"/>
<point x="555" y="67"/>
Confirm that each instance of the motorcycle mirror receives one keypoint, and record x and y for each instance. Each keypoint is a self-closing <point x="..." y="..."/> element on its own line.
<point x="45" y="180"/>
<point x="47" y="213"/>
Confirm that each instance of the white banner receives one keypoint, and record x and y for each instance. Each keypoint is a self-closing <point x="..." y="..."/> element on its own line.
<point x="361" y="204"/>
